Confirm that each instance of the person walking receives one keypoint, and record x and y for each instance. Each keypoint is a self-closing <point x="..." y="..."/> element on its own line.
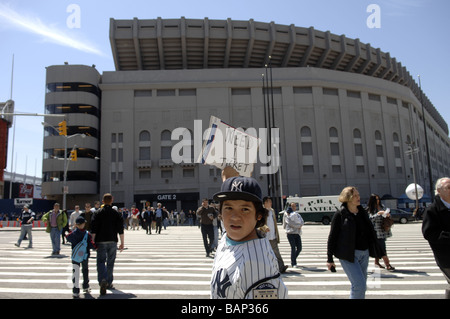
<point x="56" y="220"/>
<point x="106" y="224"/>
<point x="135" y="217"/>
<point x="160" y="214"/>
<point x="352" y="239"/>
<point x="75" y="237"/>
<point x="377" y="214"/>
<point x="65" y="229"/>
<point x="146" y="221"/>
<point x="293" y="223"/>
<point x="436" y="228"/>
<point x="272" y="233"/>
<point x="190" y="217"/>
<point x="73" y="217"/>
<point x="207" y="214"/>
<point x="27" y="218"/>
<point x="125" y="216"/>
<point x="87" y="215"/>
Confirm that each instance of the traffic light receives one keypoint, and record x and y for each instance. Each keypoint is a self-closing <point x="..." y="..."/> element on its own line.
<point x="62" y="128"/>
<point x="73" y="155"/>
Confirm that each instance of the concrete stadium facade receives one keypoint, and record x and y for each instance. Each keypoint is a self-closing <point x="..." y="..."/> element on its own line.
<point x="345" y="111"/>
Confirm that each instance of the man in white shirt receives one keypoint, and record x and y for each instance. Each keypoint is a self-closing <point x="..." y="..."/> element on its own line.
<point x="73" y="217"/>
<point x="272" y="233"/>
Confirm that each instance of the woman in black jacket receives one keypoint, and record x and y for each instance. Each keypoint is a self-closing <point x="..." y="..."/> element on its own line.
<point x="436" y="228"/>
<point x="352" y="239"/>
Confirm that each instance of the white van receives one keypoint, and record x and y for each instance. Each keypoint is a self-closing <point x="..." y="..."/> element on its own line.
<point x="315" y="209"/>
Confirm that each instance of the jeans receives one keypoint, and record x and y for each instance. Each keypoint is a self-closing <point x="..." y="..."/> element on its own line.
<point x="26" y="230"/>
<point x="55" y="236"/>
<point x="357" y="273"/>
<point x="106" y="256"/>
<point x="296" y="247"/>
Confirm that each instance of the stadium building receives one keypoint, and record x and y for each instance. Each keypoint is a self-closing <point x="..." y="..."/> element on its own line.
<point x="347" y="112"/>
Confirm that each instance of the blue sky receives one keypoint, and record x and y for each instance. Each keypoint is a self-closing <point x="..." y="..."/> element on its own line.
<point x="38" y="35"/>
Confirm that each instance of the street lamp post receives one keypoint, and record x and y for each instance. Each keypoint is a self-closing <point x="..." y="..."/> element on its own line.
<point x="279" y="172"/>
<point x="269" y="121"/>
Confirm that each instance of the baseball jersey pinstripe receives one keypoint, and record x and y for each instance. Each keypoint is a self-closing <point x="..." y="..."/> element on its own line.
<point x="237" y="266"/>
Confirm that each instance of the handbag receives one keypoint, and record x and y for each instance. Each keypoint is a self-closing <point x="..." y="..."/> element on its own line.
<point x="387" y="223"/>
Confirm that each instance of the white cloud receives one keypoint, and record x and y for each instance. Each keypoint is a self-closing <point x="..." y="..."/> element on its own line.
<point x="50" y="33"/>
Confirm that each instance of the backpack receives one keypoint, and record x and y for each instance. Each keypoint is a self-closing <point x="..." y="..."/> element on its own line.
<point x="79" y="252"/>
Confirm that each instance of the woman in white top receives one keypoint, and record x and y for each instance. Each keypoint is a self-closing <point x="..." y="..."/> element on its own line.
<point x="293" y="222"/>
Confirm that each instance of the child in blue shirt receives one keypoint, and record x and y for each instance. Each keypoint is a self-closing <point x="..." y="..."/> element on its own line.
<point x="74" y="238"/>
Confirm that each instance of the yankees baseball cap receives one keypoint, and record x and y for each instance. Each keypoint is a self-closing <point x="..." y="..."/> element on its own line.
<point x="80" y="220"/>
<point x="239" y="188"/>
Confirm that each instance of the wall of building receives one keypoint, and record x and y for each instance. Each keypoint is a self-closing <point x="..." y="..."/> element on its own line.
<point x="345" y="112"/>
<point x="72" y="90"/>
<point x="358" y="126"/>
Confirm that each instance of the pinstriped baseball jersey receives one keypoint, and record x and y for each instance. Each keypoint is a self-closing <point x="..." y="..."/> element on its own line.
<point x="239" y="265"/>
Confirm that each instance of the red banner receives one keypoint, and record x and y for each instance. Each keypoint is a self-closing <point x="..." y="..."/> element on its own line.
<point x="3" y="146"/>
<point x="25" y="191"/>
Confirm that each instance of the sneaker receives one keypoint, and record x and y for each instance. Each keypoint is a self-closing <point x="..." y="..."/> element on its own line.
<point x="17" y="245"/>
<point x="87" y="290"/>
<point x="75" y="295"/>
<point x="103" y="286"/>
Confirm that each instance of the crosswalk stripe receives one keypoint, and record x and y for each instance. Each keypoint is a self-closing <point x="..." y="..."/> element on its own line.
<point x="207" y="283"/>
<point x="66" y="291"/>
<point x="368" y="293"/>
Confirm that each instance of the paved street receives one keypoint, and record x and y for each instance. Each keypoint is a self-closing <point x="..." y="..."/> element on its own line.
<point x="173" y="265"/>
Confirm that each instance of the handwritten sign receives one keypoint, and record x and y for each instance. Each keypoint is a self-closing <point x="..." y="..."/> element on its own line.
<point x="226" y="145"/>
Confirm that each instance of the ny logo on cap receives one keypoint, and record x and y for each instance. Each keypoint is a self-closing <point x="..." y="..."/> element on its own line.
<point x="236" y="186"/>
